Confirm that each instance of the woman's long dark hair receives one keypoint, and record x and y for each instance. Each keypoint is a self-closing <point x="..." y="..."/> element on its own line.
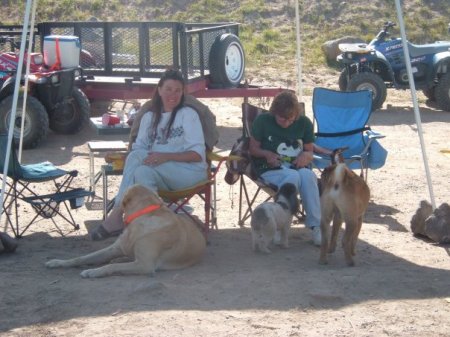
<point x="157" y="104"/>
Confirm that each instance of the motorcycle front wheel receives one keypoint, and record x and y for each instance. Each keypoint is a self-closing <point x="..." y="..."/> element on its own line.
<point x="372" y="82"/>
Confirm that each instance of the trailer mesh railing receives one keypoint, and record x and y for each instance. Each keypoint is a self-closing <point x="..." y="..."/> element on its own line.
<point x="142" y="49"/>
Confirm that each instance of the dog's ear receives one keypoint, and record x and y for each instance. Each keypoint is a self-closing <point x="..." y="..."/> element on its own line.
<point x="127" y="197"/>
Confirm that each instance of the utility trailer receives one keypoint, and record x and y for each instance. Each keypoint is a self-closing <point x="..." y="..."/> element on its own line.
<point x="124" y="60"/>
<point x="118" y="61"/>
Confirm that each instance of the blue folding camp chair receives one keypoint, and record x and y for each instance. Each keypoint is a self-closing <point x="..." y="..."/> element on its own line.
<point x="20" y="184"/>
<point x="341" y="121"/>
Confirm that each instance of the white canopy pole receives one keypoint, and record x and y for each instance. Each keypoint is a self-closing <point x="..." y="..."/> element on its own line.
<point x="299" y="56"/>
<point x="27" y="73"/>
<point x="14" y="105"/>
<point x="414" y="99"/>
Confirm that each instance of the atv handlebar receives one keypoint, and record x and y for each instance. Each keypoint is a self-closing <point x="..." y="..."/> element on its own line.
<point x="389" y="24"/>
<point x="384" y="32"/>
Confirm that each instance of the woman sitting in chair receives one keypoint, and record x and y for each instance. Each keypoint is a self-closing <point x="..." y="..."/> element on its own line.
<point x="282" y="146"/>
<point x="169" y="152"/>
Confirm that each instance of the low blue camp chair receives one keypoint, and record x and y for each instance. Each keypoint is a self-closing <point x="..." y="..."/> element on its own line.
<point x="21" y="186"/>
<point x="341" y="120"/>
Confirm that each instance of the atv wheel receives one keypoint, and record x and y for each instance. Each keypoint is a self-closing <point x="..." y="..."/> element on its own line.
<point x="343" y="78"/>
<point x="429" y="93"/>
<point x="442" y="92"/>
<point x="35" y="127"/>
<point x="372" y="82"/>
<point x="226" y="61"/>
<point x="71" y="117"/>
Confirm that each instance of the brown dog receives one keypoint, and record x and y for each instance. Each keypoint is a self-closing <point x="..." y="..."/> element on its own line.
<point x="345" y="196"/>
<point x="156" y="237"/>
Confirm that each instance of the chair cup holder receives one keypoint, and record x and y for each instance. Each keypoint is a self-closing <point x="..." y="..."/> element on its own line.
<point x="76" y="202"/>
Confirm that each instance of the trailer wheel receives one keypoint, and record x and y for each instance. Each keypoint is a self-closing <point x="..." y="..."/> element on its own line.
<point x="442" y="92"/>
<point x="70" y="118"/>
<point x="35" y="127"/>
<point x="226" y="61"/>
<point x="372" y="82"/>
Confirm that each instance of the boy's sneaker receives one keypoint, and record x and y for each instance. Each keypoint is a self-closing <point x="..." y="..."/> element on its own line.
<point x="316" y="236"/>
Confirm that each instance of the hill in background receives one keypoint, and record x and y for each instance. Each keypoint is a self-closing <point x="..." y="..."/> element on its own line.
<point x="267" y="28"/>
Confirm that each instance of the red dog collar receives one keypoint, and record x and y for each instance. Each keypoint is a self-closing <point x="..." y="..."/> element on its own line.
<point x="146" y="210"/>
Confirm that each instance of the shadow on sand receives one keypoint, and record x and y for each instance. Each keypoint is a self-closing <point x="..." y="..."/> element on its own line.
<point x="231" y="277"/>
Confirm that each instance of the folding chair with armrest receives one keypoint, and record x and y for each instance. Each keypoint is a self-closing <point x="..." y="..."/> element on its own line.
<point x="20" y="186"/>
<point x="249" y="114"/>
<point x="341" y="120"/>
<point x="206" y="190"/>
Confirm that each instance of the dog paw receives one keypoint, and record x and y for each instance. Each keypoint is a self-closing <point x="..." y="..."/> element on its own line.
<point x="350" y="263"/>
<point x="266" y="251"/>
<point x="54" y="264"/>
<point x="323" y="261"/>
<point x="89" y="273"/>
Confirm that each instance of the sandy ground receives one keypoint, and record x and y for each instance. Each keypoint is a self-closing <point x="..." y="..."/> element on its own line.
<point x="399" y="287"/>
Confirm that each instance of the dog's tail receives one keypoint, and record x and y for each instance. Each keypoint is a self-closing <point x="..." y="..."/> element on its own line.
<point x="339" y="175"/>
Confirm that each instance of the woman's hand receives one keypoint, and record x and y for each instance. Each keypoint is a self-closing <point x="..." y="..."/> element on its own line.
<point x="155" y="158"/>
<point x="158" y="158"/>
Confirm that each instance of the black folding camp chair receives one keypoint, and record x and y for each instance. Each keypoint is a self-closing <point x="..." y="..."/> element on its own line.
<point x="21" y="183"/>
<point x="246" y="199"/>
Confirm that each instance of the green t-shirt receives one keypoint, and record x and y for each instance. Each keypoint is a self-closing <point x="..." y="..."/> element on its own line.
<point x="287" y="142"/>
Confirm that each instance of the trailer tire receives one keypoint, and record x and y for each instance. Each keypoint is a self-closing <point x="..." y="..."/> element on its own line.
<point x="372" y="82"/>
<point x="442" y="92"/>
<point x="36" y="121"/>
<point x="226" y="61"/>
<point x="70" y="118"/>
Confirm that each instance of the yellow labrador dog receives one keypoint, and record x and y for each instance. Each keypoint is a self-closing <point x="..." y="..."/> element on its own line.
<point x="155" y="237"/>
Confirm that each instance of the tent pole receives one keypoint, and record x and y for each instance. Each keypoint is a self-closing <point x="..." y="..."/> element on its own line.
<point x="27" y="73"/>
<point x="14" y="105"/>
<point x="299" y="62"/>
<point x="414" y="100"/>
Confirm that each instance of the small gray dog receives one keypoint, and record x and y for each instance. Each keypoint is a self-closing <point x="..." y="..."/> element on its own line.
<point x="269" y="217"/>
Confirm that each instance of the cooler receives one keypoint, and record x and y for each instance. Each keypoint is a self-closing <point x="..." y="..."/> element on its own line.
<point x="69" y="50"/>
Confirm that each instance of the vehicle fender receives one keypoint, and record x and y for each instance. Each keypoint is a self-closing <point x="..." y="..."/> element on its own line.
<point x="380" y="58"/>
<point x="439" y="60"/>
<point x="7" y="87"/>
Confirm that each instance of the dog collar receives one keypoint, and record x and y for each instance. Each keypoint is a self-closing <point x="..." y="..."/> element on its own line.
<point x="137" y="214"/>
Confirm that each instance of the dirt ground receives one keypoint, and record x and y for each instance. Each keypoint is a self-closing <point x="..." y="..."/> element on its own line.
<point x="400" y="285"/>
